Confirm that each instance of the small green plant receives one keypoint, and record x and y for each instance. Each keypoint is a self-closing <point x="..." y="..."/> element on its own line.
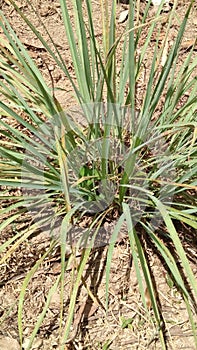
<point x="126" y="322"/>
<point x="143" y="167"/>
<point x="88" y="175"/>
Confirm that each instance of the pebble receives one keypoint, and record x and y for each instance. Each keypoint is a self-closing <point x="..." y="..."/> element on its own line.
<point x="37" y="344"/>
<point x="7" y="343"/>
<point x="123" y="16"/>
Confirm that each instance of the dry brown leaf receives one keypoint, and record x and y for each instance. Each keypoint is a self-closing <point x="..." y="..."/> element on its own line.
<point x="164" y="54"/>
<point x="148" y="299"/>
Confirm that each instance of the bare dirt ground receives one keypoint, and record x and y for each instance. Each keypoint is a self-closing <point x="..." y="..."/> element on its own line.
<point x="126" y="325"/>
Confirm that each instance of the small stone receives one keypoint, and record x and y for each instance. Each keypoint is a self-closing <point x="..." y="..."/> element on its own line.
<point x="37" y="344"/>
<point x="123" y="16"/>
<point x="7" y="343"/>
<point x="55" y="301"/>
<point x="158" y="2"/>
<point x="25" y="343"/>
<point x="194" y="20"/>
<point x="51" y="67"/>
<point x="26" y="331"/>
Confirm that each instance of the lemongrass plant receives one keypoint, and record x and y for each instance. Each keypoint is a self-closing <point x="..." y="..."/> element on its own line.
<point x="116" y="156"/>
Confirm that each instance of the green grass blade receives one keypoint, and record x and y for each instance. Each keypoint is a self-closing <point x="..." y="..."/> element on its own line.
<point x="177" y="243"/>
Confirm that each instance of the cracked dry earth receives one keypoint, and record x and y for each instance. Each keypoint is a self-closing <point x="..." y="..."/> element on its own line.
<point x="126" y="325"/>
